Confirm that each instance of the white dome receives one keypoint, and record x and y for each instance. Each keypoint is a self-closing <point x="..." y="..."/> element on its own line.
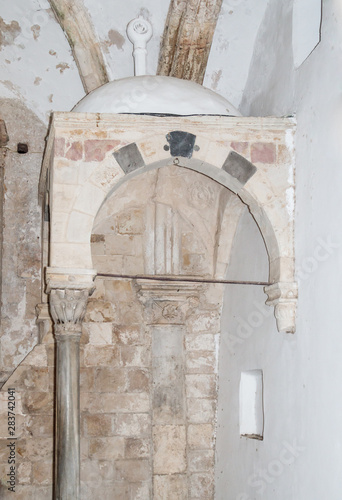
<point x="155" y="94"/>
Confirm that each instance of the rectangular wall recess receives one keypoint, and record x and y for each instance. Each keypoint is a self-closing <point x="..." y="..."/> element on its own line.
<point x="251" y="404"/>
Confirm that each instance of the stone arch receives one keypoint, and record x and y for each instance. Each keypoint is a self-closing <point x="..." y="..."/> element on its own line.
<point x="267" y="191"/>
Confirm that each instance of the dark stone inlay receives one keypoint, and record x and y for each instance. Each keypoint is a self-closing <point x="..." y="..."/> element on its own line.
<point x="22" y="148"/>
<point x="129" y="158"/>
<point x="240" y="168"/>
<point x="181" y="143"/>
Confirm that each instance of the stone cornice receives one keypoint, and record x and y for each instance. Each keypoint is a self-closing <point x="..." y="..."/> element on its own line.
<point x="96" y="121"/>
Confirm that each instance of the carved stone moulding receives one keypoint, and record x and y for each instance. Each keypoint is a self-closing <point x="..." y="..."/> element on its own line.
<point x="167" y="302"/>
<point x="283" y="296"/>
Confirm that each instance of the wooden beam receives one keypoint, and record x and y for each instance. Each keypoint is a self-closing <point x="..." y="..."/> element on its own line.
<point x="75" y="22"/>
<point x="187" y="39"/>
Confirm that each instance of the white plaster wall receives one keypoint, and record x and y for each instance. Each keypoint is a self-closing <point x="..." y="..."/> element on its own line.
<point x="38" y="67"/>
<point x="249" y="341"/>
<point x="232" y="48"/>
<point x="304" y="371"/>
<point x="36" y="63"/>
<point x="269" y="87"/>
<point x="110" y="19"/>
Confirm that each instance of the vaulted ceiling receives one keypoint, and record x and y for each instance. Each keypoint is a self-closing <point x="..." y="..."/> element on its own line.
<point x="53" y="52"/>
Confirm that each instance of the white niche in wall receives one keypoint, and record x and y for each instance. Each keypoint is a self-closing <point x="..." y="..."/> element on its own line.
<point x="251" y="404"/>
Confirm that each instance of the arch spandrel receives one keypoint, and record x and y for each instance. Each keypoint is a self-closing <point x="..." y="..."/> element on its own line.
<point x="94" y="154"/>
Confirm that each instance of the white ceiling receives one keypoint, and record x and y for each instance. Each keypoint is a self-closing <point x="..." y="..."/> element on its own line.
<point x="37" y="66"/>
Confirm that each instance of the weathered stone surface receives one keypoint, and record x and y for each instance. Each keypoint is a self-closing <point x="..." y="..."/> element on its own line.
<point x="87" y="379"/>
<point x="3" y="133"/>
<point x="200" y="436"/>
<point x="101" y="355"/>
<point x="137" y="448"/>
<point x="201" y="362"/>
<point x="108" y="448"/>
<point x="201" y="460"/>
<point x="115" y="403"/>
<point x="133" y="470"/>
<point x="263" y="153"/>
<point x="129" y="334"/>
<point x="170" y="487"/>
<point x="96" y="150"/>
<point x="201" y="410"/>
<point x="131" y="425"/>
<point x="141" y="491"/>
<point x="34" y="378"/>
<point x="240" y="147"/>
<point x="201" y="486"/>
<point x="201" y="386"/>
<point x="21" y="229"/>
<point x="205" y="322"/>
<point x="74" y="151"/>
<point x="40" y="425"/>
<point x="111" y="379"/>
<point x="138" y="380"/>
<point x="131" y="222"/>
<point x="42" y="472"/>
<point x="97" y="471"/>
<point x="137" y="356"/>
<point x="98" y="425"/>
<point x="38" y="402"/>
<point x="202" y="342"/>
<point x="25" y="473"/>
<point x="169" y="443"/>
<point x="238" y="167"/>
<point x="129" y="158"/>
<point x="99" y="311"/>
<point x="99" y="333"/>
<point x="37" y="450"/>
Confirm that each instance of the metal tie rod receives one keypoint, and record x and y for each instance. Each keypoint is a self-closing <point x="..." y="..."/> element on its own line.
<point x="182" y="280"/>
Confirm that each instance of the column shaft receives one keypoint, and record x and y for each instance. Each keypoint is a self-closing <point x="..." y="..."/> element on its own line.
<point x="67" y="445"/>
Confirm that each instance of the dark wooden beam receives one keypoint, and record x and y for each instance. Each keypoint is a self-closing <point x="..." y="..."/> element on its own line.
<point x="187" y="39"/>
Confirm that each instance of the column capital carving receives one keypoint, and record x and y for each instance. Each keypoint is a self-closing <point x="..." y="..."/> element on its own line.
<point x="168" y="302"/>
<point x="283" y="296"/>
<point x="68" y="306"/>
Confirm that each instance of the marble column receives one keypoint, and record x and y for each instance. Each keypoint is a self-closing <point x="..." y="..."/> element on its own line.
<point x="67" y="308"/>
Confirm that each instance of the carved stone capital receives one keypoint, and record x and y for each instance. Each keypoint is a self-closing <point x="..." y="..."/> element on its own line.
<point x="68" y="306"/>
<point x="283" y="296"/>
<point x="168" y="302"/>
<point x="68" y="331"/>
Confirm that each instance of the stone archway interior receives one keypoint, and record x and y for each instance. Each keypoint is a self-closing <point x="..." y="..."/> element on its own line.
<point x="152" y="347"/>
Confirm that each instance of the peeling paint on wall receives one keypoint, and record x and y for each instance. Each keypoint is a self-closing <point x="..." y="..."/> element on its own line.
<point x="115" y="38"/>
<point x="62" y="67"/>
<point x="8" y="32"/>
<point x="215" y="78"/>
<point x="36" y="31"/>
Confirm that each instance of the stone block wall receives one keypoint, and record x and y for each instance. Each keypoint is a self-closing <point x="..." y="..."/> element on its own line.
<point x="135" y="439"/>
<point x="21" y="231"/>
<point x="148" y="363"/>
